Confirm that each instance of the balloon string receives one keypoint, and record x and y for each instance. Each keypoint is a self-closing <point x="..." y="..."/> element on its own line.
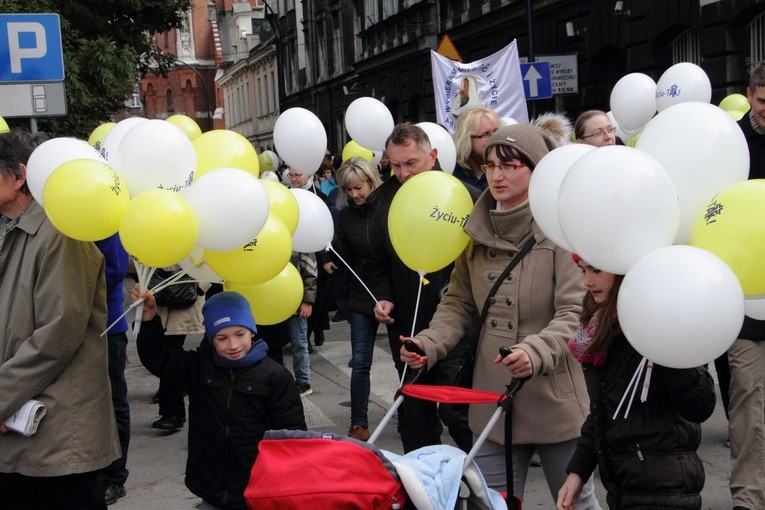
<point x="414" y="320"/>
<point x="172" y="280"/>
<point x="144" y="274"/>
<point x="632" y="382"/>
<point x="330" y="248"/>
<point x="646" y="381"/>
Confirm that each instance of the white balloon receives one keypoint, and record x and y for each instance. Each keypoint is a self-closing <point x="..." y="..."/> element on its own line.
<point x="116" y="134"/>
<point x="300" y="138"/>
<point x="680" y="83"/>
<point x="702" y="149"/>
<point x="442" y="141"/>
<point x="755" y="308"/>
<point x="376" y="157"/>
<point x="615" y="205"/>
<point x="243" y="216"/>
<point x="315" y="227"/>
<point x="544" y="188"/>
<point x="155" y="154"/>
<point x="508" y="121"/>
<point x="680" y="306"/>
<point x="633" y="101"/>
<point x="369" y="122"/>
<point x="50" y="155"/>
<point x="198" y="268"/>
<point x="619" y="131"/>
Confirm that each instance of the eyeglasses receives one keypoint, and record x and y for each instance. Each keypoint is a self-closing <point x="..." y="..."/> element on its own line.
<point x="482" y="136"/>
<point x="600" y="133"/>
<point x="490" y="166"/>
<point x="294" y="176"/>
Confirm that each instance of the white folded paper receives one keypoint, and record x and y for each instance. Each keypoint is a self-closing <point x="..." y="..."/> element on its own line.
<point x="26" y="419"/>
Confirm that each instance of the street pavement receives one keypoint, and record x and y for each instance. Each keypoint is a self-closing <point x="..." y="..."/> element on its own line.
<point x="156" y="459"/>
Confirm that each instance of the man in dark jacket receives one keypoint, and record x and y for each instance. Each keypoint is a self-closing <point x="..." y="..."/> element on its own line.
<point x="396" y="288"/>
<point x="747" y="354"/>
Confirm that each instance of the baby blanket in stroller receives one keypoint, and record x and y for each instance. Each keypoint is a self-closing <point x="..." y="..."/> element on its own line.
<point x="431" y="476"/>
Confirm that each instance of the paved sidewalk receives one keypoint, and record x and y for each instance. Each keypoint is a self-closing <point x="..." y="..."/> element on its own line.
<point x="156" y="460"/>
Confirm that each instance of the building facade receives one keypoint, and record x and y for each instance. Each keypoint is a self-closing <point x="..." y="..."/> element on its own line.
<point x="189" y="87"/>
<point x="333" y="51"/>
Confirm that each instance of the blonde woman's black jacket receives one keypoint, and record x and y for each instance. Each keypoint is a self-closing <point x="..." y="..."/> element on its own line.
<point x="229" y="411"/>
<point x="649" y="459"/>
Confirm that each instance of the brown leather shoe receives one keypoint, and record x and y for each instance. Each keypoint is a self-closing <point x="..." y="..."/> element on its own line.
<point x="358" y="432"/>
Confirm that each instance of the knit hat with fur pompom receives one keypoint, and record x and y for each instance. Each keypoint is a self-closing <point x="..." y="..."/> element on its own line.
<point x="535" y="140"/>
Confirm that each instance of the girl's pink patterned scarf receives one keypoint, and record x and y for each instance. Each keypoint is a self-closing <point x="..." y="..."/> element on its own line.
<point x="579" y="343"/>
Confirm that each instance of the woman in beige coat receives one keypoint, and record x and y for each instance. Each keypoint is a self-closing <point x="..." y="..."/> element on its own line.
<point x="534" y="312"/>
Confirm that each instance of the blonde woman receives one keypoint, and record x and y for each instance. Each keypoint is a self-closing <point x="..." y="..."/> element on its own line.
<point x="356" y="179"/>
<point x="474" y="128"/>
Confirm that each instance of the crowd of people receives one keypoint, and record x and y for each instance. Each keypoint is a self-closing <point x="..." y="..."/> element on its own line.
<point x="554" y="312"/>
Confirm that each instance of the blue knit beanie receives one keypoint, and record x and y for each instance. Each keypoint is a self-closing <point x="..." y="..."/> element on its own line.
<point x="227" y="309"/>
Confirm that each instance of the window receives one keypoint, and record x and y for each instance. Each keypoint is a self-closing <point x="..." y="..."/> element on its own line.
<point x="170" y="102"/>
<point x="337" y="46"/>
<point x="757" y="39"/>
<point x="370" y="13"/>
<point x="685" y="48"/>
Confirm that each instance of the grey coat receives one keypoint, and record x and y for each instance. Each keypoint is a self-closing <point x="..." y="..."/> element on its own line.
<point x="52" y="313"/>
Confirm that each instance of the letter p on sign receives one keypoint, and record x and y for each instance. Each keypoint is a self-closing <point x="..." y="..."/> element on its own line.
<point x="30" y="48"/>
<point x="17" y="52"/>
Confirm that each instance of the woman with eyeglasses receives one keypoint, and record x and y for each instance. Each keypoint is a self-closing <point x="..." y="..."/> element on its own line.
<point x="474" y="127"/>
<point x="593" y="127"/>
<point x="534" y="313"/>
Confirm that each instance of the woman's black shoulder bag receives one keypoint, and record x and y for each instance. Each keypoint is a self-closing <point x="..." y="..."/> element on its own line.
<point x="464" y="377"/>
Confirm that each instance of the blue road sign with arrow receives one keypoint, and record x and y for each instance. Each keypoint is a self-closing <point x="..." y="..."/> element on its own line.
<point x="537" y="83"/>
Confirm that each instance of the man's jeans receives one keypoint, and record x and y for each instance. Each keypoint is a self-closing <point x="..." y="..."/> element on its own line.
<point x="301" y="360"/>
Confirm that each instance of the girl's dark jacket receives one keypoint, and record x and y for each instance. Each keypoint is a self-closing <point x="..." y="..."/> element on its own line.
<point x="229" y="411"/>
<point x="647" y="460"/>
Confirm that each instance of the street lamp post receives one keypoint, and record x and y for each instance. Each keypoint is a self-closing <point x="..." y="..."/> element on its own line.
<point x="176" y="60"/>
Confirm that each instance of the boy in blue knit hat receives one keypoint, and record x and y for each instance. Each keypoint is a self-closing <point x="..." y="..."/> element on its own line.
<point x="236" y="393"/>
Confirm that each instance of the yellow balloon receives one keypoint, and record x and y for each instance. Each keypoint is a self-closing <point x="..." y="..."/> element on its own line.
<point x="731" y="227"/>
<point x="735" y="114"/>
<point x="426" y="221"/>
<point x="257" y="261"/>
<point x="354" y="150"/>
<point x="96" y="138"/>
<point x="265" y="162"/>
<point x="187" y="125"/>
<point x="735" y="102"/>
<point x="273" y="301"/>
<point x="221" y="148"/>
<point x="84" y="199"/>
<point x="282" y="204"/>
<point x="4" y="126"/>
<point x="159" y="228"/>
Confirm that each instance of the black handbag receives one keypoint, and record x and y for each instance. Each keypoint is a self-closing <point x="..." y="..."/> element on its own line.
<point x="179" y="295"/>
<point x="464" y="376"/>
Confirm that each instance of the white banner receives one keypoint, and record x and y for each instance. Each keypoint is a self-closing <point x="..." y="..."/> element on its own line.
<point x="494" y="81"/>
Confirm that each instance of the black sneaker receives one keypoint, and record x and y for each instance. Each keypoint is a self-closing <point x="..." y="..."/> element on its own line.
<point x="318" y="338"/>
<point x="171" y="423"/>
<point x="113" y="492"/>
<point x="305" y="390"/>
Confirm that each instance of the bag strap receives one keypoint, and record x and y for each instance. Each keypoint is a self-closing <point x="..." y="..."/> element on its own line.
<point x="487" y="303"/>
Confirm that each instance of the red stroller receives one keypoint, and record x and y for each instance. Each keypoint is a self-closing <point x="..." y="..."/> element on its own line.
<point x="296" y="469"/>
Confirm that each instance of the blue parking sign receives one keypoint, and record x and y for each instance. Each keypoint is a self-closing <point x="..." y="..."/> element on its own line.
<point x="537" y="83"/>
<point x="30" y="48"/>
